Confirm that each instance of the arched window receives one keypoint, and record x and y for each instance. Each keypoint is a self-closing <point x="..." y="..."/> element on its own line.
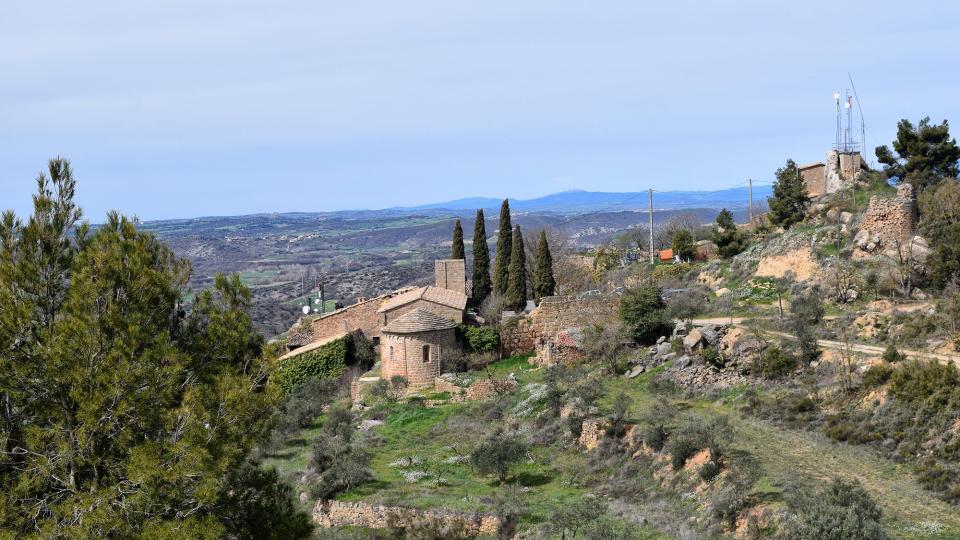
<point x="426" y="353"/>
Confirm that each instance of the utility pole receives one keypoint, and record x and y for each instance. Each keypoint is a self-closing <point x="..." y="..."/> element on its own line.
<point x="651" y="226"/>
<point x="750" y="180"/>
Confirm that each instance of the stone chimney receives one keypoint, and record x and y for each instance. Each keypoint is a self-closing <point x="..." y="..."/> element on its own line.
<point x="451" y="274"/>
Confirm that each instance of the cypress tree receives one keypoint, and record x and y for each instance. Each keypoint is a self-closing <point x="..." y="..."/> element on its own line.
<point x="481" y="261"/>
<point x="501" y="266"/>
<point x="544" y="283"/>
<point x="517" y="279"/>
<point x="788" y="205"/>
<point x="457" y="251"/>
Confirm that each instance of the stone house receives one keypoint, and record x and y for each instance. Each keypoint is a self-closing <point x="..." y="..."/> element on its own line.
<point x="414" y="345"/>
<point x="446" y="298"/>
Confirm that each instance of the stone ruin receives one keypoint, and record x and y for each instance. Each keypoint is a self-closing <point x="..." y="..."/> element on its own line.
<point x="889" y="225"/>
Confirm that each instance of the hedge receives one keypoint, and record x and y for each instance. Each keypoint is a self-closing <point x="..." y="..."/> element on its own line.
<point x="330" y="360"/>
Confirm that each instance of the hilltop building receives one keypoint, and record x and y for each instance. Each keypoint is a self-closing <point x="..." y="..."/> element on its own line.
<point x="839" y="171"/>
<point x="414" y="327"/>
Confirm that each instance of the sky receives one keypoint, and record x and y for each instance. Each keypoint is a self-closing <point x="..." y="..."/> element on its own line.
<point x="187" y="108"/>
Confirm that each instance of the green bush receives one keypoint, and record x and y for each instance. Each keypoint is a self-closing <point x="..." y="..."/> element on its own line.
<point x="713" y="358"/>
<point x="891" y="355"/>
<point x="840" y="510"/>
<point x="644" y="314"/>
<point x="330" y="360"/>
<point x="930" y="381"/>
<point x="478" y="339"/>
<point x="877" y="375"/>
<point x="663" y="271"/>
<point x="709" y="471"/>
<point x="778" y="363"/>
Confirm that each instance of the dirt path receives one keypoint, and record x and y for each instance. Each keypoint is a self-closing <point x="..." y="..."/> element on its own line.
<point x="872" y="350"/>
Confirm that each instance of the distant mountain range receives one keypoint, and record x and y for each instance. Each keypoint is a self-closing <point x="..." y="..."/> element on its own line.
<point x="579" y="201"/>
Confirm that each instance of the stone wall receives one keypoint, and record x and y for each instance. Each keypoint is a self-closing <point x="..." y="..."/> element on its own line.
<point x="451" y="274"/>
<point x="888" y="222"/>
<point x="520" y="334"/>
<point x="403" y="354"/>
<point x="329" y="513"/>
<point x="361" y="316"/>
<point x="814" y="178"/>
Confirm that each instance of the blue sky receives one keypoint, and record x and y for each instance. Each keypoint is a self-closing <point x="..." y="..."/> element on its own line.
<point x="188" y="108"/>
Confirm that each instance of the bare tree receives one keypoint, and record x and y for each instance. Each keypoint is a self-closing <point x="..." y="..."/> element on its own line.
<point x="843" y="280"/>
<point x="847" y="362"/>
<point x="903" y="268"/>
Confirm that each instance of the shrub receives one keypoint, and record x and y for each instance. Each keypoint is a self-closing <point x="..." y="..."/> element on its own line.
<point x="643" y="313"/>
<point x="391" y="390"/>
<point x="709" y="471"/>
<point x="891" y="355"/>
<point x="917" y="380"/>
<point x="778" y="363"/>
<point x="877" y="375"/>
<point x="606" y="344"/>
<point x="713" y="358"/>
<point x="478" y="339"/>
<point x="841" y="510"/>
<point x="330" y="360"/>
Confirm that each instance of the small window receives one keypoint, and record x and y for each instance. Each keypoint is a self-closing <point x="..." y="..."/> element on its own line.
<point x="391" y="352"/>
<point x="426" y="353"/>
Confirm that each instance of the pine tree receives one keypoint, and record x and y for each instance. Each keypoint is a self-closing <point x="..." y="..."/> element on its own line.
<point x="458" y="251"/>
<point x="516" y="298"/>
<point x="788" y="206"/>
<point x="728" y="239"/>
<point x="501" y="265"/>
<point x="481" y="261"/>
<point x="544" y="283"/>
<point x="128" y="416"/>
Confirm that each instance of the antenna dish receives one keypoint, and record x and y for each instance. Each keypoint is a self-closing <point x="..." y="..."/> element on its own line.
<point x="836" y="95"/>
<point x="306" y="310"/>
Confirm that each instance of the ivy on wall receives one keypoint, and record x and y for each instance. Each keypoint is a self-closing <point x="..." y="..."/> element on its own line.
<point x="330" y="360"/>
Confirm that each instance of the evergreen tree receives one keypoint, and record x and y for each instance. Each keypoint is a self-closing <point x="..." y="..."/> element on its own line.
<point x="481" y="261"/>
<point x="788" y="206"/>
<point x="122" y="415"/>
<point x="728" y="239"/>
<point x="543" y="281"/>
<point x="683" y="245"/>
<point x="922" y="155"/>
<point x="501" y="265"/>
<point x="458" y="252"/>
<point x="516" y="298"/>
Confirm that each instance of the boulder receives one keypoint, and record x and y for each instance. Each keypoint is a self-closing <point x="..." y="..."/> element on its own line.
<point x="833" y="215"/>
<point x="635" y="371"/>
<point x="711" y="333"/>
<point x="748" y="347"/>
<point x="723" y="291"/>
<point x="661" y="339"/>
<point x="680" y="329"/>
<point x="683" y="362"/>
<point x="694" y="341"/>
<point x="846" y="218"/>
<point x="663" y="349"/>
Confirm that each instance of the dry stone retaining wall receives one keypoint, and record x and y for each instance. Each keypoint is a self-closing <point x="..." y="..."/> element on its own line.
<point x="329" y="513"/>
<point x="555" y="313"/>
